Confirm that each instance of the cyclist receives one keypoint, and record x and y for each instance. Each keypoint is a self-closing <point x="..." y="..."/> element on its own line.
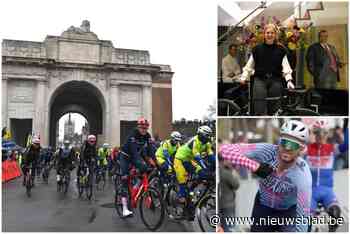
<point x="320" y="157"/>
<point x="166" y="152"/>
<point x="103" y="155"/>
<point x="286" y="186"/>
<point x="31" y="156"/>
<point x="47" y="156"/>
<point x="130" y="154"/>
<point x="64" y="160"/>
<point x="188" y="160"/>
<point x="88" y="155"/>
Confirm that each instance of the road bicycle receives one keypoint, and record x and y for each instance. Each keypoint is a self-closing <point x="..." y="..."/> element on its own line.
<point x="141" y="195"/>
<point x="63" y="183"/>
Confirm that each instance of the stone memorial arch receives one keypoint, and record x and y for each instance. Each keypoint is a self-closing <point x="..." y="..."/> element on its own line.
<point x="77" y="72"/>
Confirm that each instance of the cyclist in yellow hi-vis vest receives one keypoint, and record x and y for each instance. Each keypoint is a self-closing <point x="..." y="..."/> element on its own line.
<point x="166" y="152"/>
<point x="188" y="159"/>
<point x="103" y="153"/>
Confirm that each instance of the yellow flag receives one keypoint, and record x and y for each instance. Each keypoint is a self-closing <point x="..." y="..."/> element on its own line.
<point x="7" y="135"/>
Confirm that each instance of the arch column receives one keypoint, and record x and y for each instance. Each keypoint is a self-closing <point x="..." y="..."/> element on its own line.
<point x="114" y="126"/>
<point x="40" y="112"/>
<point x="4" y="109"/>
<point x="147" y="103"/>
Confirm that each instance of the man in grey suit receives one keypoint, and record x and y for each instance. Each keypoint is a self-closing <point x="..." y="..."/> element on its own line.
<point x="323" y="63"/>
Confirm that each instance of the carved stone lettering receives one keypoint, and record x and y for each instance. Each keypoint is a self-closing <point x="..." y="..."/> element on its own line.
<point x="79" y="52"/>
<point x="130" y="96"/>
<point x="21" y="91"/>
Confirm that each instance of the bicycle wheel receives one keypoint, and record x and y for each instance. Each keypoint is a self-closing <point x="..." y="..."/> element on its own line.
<point x="89" y="187"/>
<point x="100" y="182"/>
<point x="171" y="203"/>
<point x="300" y="112"/>
<point x="151" y="209"/>
<point x="156" y="183"/>
<point x="28" y="185"/>
<point x="80" y="185"/>
<point x="206" y="209"/>
<point x="227" y="107"/>
<point x="66" y="183"/>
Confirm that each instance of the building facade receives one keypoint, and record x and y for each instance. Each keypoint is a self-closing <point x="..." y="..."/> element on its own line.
<point x="79" y="73"/>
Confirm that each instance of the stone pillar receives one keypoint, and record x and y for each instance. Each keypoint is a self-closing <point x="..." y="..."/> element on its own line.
<point x="114" y="131"/>
<point x="40" y="114"/>
<point x="4" y="108"/>
<point x="147" y="103"/>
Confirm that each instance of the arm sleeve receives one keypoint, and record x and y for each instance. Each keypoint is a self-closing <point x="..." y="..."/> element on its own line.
<point x="248" y="69"/>
<point x="304" y="192"/>
<point x="344" y="146"/>
<point x="234" y="154"/>
<point x="133" y="147"/>
<point x="286" y="70"/>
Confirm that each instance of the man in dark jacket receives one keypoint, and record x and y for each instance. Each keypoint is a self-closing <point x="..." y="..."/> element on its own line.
<point x="229" y="183"/>
<point x="133" y="152"/>
<point x="31" y="157"/>
<point x="323" y="63"/>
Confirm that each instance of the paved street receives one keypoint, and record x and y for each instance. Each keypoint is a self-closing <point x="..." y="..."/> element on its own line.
<point x="49" y="211"/>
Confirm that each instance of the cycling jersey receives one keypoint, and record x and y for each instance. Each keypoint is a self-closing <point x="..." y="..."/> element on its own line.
<point x="277" y="191"/>
<point x="166" y="149"/>
<point x="31" y="156"/>
<point x="88" y="153"/>
<point x="320" y="158"/>
<point x="135" y="143"/>
<point x="192" y="148"/>
<point x="102" y="156"/>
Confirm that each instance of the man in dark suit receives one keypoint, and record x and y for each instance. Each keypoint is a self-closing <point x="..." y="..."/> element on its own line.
<point x="323" y="63"/>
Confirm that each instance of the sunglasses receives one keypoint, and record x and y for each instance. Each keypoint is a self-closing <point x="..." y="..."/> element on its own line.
<point x="289" y="145"/>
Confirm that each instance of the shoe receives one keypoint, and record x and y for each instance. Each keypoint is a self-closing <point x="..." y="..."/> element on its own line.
<point x="127" y="213"/>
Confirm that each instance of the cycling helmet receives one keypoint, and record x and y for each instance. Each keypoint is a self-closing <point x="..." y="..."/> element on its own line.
<point x="320" y="125"/>
<point x="176" y="136"/>
<point x="66" y="142"/>
<point x="105" y="145"/>
<point x="204" y="131"/>
<point x="143" y="123"/>
<point x="91" y="139"/>
<point x="296" y="130"/>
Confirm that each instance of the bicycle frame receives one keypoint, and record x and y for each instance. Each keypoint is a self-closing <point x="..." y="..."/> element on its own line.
<point x="135" y="195"/>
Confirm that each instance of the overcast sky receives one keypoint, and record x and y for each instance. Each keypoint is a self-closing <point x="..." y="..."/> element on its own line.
<point x="179" y="33"/>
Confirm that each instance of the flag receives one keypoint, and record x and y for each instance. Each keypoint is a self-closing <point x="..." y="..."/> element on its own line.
<point x="6" y="134"/>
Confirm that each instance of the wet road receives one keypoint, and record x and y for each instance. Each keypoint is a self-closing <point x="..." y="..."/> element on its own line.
<point x="49" y="211"/>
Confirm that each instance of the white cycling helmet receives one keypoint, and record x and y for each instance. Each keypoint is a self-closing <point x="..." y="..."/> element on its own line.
<point x="204" y="131"/>
<point x="176" y="136"/>
<point x="295" y="130"/>
<point x="105" y="145"/>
